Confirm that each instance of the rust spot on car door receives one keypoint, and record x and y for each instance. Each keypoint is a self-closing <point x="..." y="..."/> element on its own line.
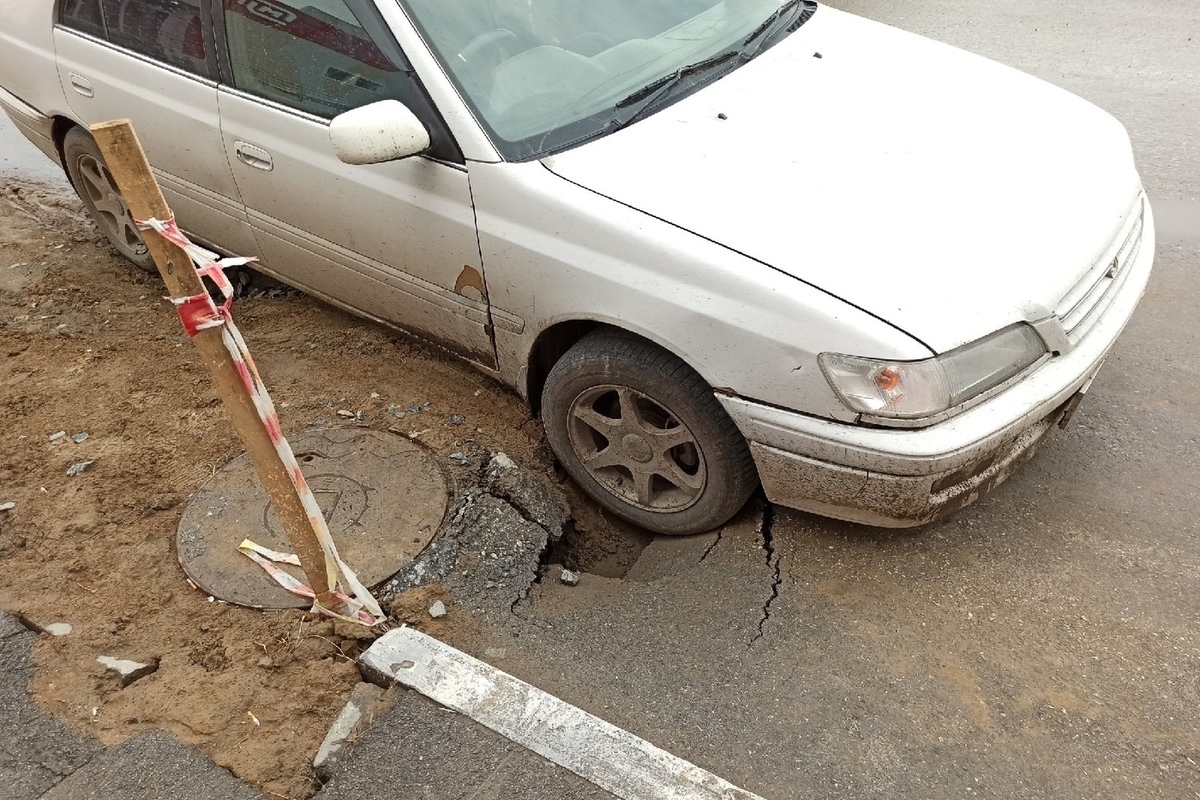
<point x="470" y="278"/>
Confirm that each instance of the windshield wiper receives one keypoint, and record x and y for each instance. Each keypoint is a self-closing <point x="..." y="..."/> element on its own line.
<point x="782" y="19"/>
<point x="639" y="102"/>
<point x="642" y="100"/>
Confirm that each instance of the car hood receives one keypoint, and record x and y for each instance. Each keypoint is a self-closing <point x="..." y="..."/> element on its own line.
<point x="942" y="192"/>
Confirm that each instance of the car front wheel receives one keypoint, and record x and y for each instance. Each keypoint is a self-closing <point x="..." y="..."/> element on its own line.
<point x="644" y="435"/>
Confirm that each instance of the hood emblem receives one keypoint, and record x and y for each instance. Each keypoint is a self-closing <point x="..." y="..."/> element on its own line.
<point x="1114" y="268"/>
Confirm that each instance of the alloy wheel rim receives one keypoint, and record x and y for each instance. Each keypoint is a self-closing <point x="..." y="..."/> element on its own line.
<point x="636" y="449"/>
<point x="111" y="209"/>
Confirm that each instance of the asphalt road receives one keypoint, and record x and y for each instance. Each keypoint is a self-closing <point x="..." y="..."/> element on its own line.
<point x="1043" y="643"/>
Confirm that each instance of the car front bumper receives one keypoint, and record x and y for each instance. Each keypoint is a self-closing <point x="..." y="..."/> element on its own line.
<point x="899" y="478"/>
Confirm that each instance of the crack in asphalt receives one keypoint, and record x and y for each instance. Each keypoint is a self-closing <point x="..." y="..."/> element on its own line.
<point x="516" y="505"/>
<point x="539" y="573"/>
<point x="774" y="563"/>
<point x="713" y="546"/>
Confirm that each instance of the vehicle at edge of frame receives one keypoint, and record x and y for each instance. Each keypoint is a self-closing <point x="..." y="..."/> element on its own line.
<point x="717" y="244"/>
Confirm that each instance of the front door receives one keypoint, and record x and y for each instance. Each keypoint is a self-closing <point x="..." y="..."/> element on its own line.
<point x="394" y="241"/>
<point x="152" y="61"/>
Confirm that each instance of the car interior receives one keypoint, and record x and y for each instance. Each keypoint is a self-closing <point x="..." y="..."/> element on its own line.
<point x="529" y="64"/>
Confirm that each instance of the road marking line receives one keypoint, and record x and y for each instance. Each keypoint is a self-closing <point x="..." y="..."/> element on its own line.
<point x="614" y="759"/>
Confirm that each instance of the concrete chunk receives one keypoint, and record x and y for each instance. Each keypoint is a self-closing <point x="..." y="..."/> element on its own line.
<point x="128" y="671"/>
<point x="350" y="723"/>
<point x="76" y="470"/>
<point x="528" y="494"/>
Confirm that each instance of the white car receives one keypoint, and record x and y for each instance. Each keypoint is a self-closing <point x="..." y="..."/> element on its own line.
<point x="715" y="243"/>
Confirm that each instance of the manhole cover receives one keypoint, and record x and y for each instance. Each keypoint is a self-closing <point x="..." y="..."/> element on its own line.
<point x="384" y="498"/>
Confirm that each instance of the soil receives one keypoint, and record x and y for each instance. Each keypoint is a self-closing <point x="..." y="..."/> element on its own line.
<point x="88" y="346"/>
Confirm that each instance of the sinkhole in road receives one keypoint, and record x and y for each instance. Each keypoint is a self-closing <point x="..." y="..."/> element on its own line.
<point x="597" y="545"/>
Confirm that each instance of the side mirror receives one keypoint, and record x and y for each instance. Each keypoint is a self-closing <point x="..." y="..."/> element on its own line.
<point x="378" y="132"/>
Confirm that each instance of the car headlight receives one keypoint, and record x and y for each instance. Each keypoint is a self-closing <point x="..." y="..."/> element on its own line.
<point x="916" y="389"/>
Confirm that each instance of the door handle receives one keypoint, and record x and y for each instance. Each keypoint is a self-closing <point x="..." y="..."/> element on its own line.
<point x="81" y="85"/>
<point x="253" y="156"/>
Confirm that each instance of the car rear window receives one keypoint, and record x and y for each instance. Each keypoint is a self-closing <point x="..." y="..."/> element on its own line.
<point x="168" y="31"/>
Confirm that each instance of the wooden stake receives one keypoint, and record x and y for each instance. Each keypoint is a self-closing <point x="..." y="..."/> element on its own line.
<point x="127" y="162"/>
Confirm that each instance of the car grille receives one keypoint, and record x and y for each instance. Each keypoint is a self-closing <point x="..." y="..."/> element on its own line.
<point x="1087" y="301"/>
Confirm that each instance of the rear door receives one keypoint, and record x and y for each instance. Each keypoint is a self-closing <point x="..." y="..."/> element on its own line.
<point x="153" y="61"/>
<point x="394" y="241"/>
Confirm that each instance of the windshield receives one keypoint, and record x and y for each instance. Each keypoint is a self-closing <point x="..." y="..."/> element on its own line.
<point x="544" y="75"/>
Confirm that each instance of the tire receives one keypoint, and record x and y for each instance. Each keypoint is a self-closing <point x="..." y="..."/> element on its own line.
<point x="644" y="435"/>
<point x="96" y="188"/>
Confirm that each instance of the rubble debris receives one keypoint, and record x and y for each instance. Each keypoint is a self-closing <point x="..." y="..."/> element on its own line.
<point x="457" y="419"/>
<point x="163" y="502"/>
<point x="7" y="507"/>
<point x="460" y="458"/>
<point x="58" y="629"/>
<point x="128" y="671"/>
<point x="54" y="437"/>
<point x="569" y="578"/>
<point x="78" y="469"/>
<point x="437" y="610"/>
<point x="80" y="438"/>
<point x="491" y="550"/>
<point x="532" y="498"/>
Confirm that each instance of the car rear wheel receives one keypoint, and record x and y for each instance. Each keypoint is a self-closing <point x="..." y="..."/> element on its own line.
<point x="96" y="187"/>
<point x="644" y="435"/>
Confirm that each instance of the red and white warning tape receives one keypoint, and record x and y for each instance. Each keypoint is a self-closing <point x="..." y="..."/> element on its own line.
<point x="202" y="313"/>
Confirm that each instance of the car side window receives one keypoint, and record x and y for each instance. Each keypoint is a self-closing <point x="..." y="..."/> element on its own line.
<point x="320" y="58"/>
<point x="316" y="58"/>
<point x="169" y="31"/>
<point x="83" y="15"/>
